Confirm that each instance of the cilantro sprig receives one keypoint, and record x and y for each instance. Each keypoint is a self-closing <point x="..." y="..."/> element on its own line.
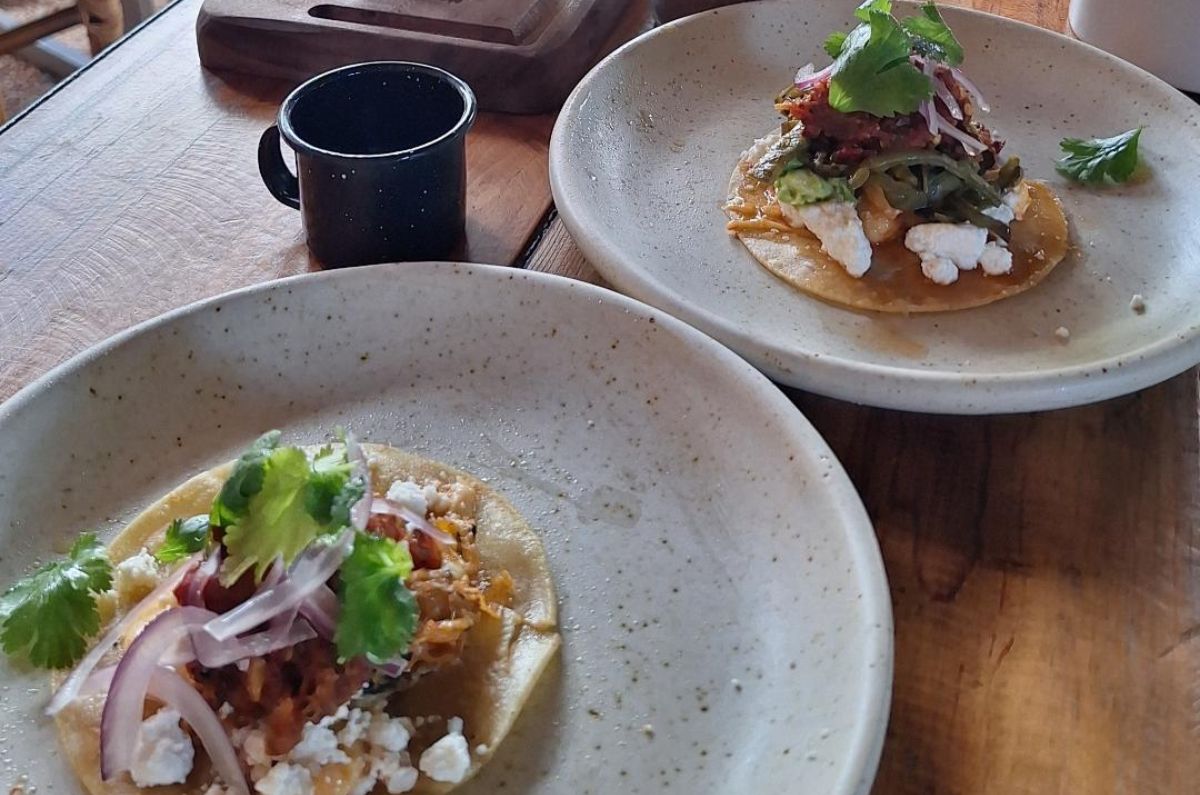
<point x="932" y="37"/>
<point x="378" y="612"/>
<point x="48" y="617"/>
<point x="276" y="502"/>
<point x="184" y="537"/>
<point x="871" y="70"/>
<point x="1097" y="160"/>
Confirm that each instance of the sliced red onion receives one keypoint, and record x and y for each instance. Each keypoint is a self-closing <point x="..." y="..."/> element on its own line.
<point x="321" y="609"/>
<point x="214" y="654"/>
<point x="972" y="145"/>
<point x="309" y="572"/>
<point x="98" y="681"/>
<point x="804" y="81"/>
<point x="414" y="520"/>
<point x="360" y="511"/>
<point x="70" y="687"/>
<point x="175" y="692"/>
<point x="393" y="668"/>
<point x="122" y="716"/>
<point x="947" y="98"/>
<point x="273" y="574"/>
<point x="208" y="569"/>
<point x="970" y="88"/>
<point x="928" y="111"/>
<point x="930" y="116"/>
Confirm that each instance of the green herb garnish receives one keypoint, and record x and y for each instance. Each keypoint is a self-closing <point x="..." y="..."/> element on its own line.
<point x="873" y="73"/>
<point x="1096" y="160"/>
<point x="835" y="43"/>
<point x="48" y="616"/>
<point x="276" y="502"/>
<point x="932" y="38"/>
<point x="378" y="613"/>
<point x="184" y="537"/>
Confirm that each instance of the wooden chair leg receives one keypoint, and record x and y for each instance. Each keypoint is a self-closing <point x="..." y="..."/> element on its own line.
<point x="104" y="20"/>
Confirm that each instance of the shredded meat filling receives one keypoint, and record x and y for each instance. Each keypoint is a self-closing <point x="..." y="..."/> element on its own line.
<point x="283" y="690"/>
<point x="846" y="139"/>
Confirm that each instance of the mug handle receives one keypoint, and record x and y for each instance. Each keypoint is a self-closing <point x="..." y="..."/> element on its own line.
<point x="275" y="174"/>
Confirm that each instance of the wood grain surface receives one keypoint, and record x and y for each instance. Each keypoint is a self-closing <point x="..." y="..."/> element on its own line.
<point x="520" y="56"/>
<point x="135" y="190"/>
<point x="1045" y="568"/>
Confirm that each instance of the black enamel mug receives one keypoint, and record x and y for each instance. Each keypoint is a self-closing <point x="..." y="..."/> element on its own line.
<point x="380" y="161"/>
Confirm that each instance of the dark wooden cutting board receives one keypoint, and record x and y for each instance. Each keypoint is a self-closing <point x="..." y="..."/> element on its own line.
<point x="520" y="56"/>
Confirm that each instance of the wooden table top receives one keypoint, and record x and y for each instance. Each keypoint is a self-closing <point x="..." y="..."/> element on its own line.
<point x="1044" y="568"/>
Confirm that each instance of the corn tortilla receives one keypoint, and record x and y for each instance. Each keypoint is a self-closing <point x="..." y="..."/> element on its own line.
<point x="502" y="660"/>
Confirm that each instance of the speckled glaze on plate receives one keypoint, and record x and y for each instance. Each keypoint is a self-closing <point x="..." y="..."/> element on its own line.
<point x="642" y="152"/>
<point x="724" y="611"/>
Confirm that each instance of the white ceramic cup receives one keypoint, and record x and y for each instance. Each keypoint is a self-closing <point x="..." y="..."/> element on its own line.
<point x="1161" y="36"/>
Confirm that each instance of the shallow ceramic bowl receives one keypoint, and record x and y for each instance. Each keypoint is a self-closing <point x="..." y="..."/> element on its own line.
<point x="642" y="154"/>
<point x="724" y="611"/>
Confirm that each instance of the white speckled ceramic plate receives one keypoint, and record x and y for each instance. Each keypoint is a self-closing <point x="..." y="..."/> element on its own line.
<point x="719" y="579"/>
<point x="641" y="158"/>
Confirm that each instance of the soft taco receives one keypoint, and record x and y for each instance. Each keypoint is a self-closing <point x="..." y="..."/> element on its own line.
<point x="337" y="621"/>
<point x="882" y="189"/>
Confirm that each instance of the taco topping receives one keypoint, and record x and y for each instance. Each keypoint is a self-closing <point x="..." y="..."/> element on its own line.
<point x="886" y="144"/>
<point x="274" y="629"/>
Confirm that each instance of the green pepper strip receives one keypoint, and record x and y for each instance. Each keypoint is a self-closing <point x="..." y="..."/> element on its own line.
<point x="971" y="179"/>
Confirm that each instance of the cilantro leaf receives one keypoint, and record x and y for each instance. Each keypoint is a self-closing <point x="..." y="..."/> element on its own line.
<point x="835" y="42"/>
<point x="1097" y="159"/>
<point x="246" y="481"/>
<point x="379" y="613"/>
<point x="276" y="522"/>
<point x="332" y="490"/>
<point x="873" y="73"/>
<point x="865" y="8"/>
<point x="931" y="37"/>
<point x="48" y="616"/>
<point x="276" y="502"/>
<point x="184" y="536"/>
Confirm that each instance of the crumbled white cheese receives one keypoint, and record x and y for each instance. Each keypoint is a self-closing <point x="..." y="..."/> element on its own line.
<point x="939" y="245"/>
<point x="759" y="148"/>
<point x="254" y="748"/>
<point x="225" y="710"/>
<point x="995" y="259"/>
<point x="1137" y="303"/>
<point x="389" y="733"/>
<point x="340" y="714"/>
<point x="163" y="753"/>
<point x="318" y="746"/>
<point x="410" y="495"/>
<point x="357" y="722"/>
<point x="840" y="230"/>
<point x="216" y="789"/>
<point x="481" y="749"/>
<point x="394" y="771"/>
<point x="449" y="758"/>
<point x="1063" y="333"/>
<point x="135" y="577"/>
<point x="285" y="779"/>
<point x="939" y="271"/>
<point x="364" y="784"/>
<point x="1018" y="199"/>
